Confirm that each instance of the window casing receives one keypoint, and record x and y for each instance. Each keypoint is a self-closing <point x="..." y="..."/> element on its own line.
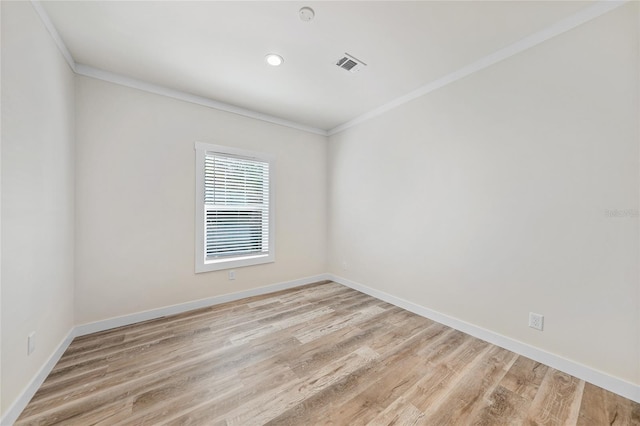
<point x="234" y="208"/>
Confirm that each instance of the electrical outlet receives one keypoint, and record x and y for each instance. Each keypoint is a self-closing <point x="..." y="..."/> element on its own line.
<point x="232" y="275"/>
<point x="31" y="343"/>
<point x="344" y="265"/>
<point x="536" y="321"/>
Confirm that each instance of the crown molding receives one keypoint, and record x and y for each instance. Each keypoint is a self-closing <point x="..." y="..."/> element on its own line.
<point x="46" y="21"/>
<point x="123" y="80"/>
<point x="599" y="8"/>
<point x="560" y="27"/>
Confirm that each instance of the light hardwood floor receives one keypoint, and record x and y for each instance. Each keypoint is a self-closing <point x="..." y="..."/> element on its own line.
<point x="319" y="354"/>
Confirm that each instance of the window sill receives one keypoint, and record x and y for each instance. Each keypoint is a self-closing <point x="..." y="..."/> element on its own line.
<point x="234" y="262"/>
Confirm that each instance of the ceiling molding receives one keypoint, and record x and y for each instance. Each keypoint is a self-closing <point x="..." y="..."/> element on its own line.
<point x="122" y="80"/>
<point x="562" y="26"/>
<point x="599" y="8"/>
<point x="44" y="17"/>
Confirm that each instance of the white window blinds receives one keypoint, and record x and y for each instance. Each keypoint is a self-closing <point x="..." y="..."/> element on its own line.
<point x="236" y="203"/>
<point x="235" y="209"/>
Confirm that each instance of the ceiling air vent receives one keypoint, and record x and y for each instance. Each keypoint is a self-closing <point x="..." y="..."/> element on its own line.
<point x="350" y="63"/>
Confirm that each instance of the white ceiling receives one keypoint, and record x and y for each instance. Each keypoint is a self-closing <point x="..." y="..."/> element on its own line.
<point x="216" y="49"/>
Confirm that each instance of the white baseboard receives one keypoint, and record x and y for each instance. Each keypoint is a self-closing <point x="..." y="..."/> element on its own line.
<point x="107" y="324"/>
<point x="598" y="378"/>
<point x="581" y="371"/>
<point x="21" y="402"/>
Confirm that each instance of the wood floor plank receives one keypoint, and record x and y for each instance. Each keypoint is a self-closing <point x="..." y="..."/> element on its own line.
<point x="470" y="394"/>
<point x="432" y="389"/>
<point x="339" y="323"/>
<point x="317" y="354"/>
<point x="328" y="407"/>
<point x="524" y="377"/>
<point x="284" y="396"/>
<point x="600" y="407"/>
<point x="557" y="401"/>
<point x="504" y="407"/>
<point x="400" y="412"/>
<point x="392" y="376"/>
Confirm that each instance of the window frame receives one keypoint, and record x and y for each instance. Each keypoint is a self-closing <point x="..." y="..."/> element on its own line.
<point x="201" y="262"/>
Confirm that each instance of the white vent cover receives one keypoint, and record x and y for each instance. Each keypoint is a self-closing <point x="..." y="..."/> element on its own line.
<point x="350" y="63"/>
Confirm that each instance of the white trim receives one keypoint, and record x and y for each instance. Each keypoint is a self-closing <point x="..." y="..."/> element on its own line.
<point x="562" y="26"/>
<point x="110" y="323"/>
<point x="558" y="28"/>
<point x="133" y="83"/>
<point x="613" y="384"/>
<point x="122" y="80"/>
<point x="13" y="412"/>
<point x="258" y="155"/>
<point x="581" y="371"/>
<point x="44" y="17"/>
<point x="201" y="265"/>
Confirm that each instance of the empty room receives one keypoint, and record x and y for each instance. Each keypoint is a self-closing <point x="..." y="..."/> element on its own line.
<point x="327" y="212"/>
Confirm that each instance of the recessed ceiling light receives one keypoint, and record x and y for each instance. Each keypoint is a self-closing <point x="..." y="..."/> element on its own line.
<point x="274" y="60"/>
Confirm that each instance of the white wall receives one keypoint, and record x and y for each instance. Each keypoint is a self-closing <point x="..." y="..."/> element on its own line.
<point x="37" y="197"/>
<point x="487" y="198"/>
<point x="483" y="200"/>
<point x="135" y="200"/>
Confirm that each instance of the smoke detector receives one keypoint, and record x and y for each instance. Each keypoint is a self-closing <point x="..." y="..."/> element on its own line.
<point x="349" y="63"/>
<point x="306" y="14"/>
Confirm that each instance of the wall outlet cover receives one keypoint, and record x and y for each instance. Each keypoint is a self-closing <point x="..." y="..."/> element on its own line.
<point x="31" y="343"/>
<point x="536" y="321"/>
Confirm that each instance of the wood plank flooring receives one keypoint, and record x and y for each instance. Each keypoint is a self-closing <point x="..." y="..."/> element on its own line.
<point x="319" y="354"/>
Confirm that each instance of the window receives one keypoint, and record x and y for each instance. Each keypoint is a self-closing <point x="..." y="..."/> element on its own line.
<point x="234" y="208"/>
